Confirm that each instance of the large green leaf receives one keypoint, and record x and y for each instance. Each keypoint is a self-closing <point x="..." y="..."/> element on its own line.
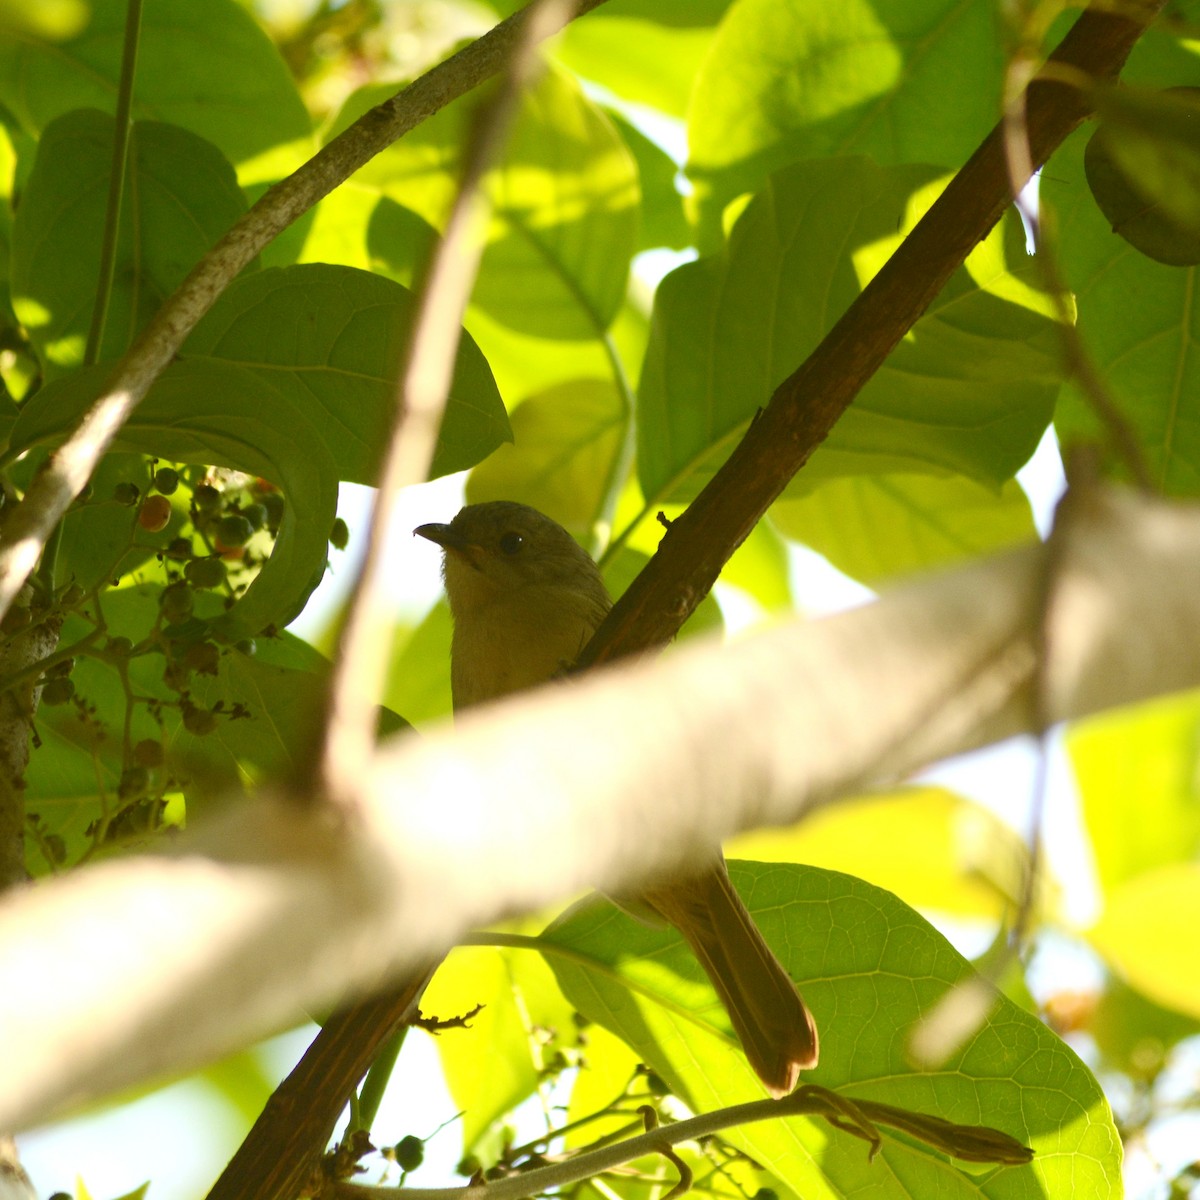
<point x="1146" y="920"/>
<point x="566" y="444"/>
<point x="969" y="391"/>
<point x="1138" y="319"/>
<point x="935" y="850"/>
<point x="564" y="204"/>
<point x="663" y="221"/>
<point x="207" y="67"/>
<point x="212" y="412"/>
<point x="291" y="376"/>
<point x="787" y="79"/>
<point x="1137" y="771"/>
<point x="869" y="967"/>
<point x="180" y="196"/>
<point x="638" y="58"/>
<point x="879" y="527"/>
<point x="331" y="340"/>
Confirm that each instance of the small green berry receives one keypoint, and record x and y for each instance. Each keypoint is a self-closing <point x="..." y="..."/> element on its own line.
<point x="126" y="494"/>
<point x="409" y="1152"/>
<point x="256" y="514"/>
<point x="339" y="535"/>
<point x="232" y="531"/>
<point x="273" y="502"/>
<point x="177" y="602"/>
<point x="205" y="572"/>
<point x="166" y="481"/>
<point x="119" y="647"/>
<point x="206" y="498"/>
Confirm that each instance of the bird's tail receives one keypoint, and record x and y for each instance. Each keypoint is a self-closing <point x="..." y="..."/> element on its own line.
<point x="776" y="1029"/>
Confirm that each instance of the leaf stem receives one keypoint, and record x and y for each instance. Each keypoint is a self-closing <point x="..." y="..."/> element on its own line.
<point x="116" y="182"/>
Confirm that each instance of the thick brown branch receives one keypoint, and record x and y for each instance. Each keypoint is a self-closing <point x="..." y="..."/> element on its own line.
<point x="807" y="405"/>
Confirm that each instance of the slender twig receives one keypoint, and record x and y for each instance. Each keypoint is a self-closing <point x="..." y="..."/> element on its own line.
<point x="971" y="1143"/>
<point x="122" y="128"/>
<point x="348" y="731"/>
<point x="70" y="467"/>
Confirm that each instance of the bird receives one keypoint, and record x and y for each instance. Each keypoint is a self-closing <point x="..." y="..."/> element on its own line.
<point x="525" y="598"/>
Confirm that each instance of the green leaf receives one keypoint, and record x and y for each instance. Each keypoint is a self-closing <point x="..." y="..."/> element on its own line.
<point x="1138" y="320"/>
<point x="180" y="196"/>
<point x="879" y="527"/>
<point x="291" y="376"/>
<point x="1145" y="922"/>
<point x="637" y="57"/>
<point x="211" y="412"/>
<point x="397" y="240"/>
<point x="1143" y="167"/>
<point x="50" y="19"/>
<point x="418" y="678"/>
<point x="1137" y="771"/>
<point x="786" y="80"/>
<point x="99" y="541"/>
<point x="207" y="67"/>
<point x="331" y="339"/>
<point x="663" y="222"/>
<point x="968" y="391"/>
<point x="566" y="442"/>
<point x="564" y="204"/>
<point x="869" y="967"/>
<point x="1134" y="1034"/>
<point x="934" y="849"/>
<point x="524" y="365"/>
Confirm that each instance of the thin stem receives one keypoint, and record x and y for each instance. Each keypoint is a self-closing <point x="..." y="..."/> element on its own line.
<point x="122" y="129"/>
<point x="357" y="677"/>
<point x="618" y="471"/>
<point x="378" y="1077"/>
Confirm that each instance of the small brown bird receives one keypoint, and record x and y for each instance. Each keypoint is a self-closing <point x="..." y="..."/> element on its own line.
<point x="526" y="598"/>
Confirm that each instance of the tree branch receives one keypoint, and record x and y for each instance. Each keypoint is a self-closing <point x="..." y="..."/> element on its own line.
<point x="134" y="968"/>
<point x="807" y="405"/>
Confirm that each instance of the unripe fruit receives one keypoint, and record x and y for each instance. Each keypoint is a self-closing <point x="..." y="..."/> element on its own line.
<point x="205" y="572"/>
<point x="154" y="514"/>
<point x="166" y="480"/>
<point x="233" y="531"/>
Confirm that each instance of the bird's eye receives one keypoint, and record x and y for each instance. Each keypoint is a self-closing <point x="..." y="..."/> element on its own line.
<point x="511" y="542"/>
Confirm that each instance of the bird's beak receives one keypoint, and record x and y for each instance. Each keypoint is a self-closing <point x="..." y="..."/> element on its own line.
<point x="448" y="538"/>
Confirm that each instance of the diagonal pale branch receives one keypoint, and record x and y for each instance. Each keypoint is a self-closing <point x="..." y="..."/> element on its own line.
<point x="70" y="467"/>
<point x="807" y="405"/>
<point x="282" y="1151"/>
<point x="423" y="388"/>
<point x="159" y="963"/>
